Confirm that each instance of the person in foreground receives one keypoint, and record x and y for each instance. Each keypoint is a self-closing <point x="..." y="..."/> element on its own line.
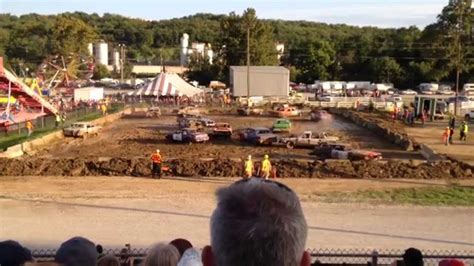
<point x="257" y="222"/>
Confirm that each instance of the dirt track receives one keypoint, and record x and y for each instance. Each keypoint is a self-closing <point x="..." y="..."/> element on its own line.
<point x="136" y="136"/>
<point x="123" y="148"/>
<point x="44" y="211"/>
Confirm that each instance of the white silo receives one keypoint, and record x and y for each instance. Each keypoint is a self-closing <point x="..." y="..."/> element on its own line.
<point x="90" y="48"/>
<point x="184" y="49"/>
<point x="210" y="53"/>
<point x="116" y="59"/>
<point x="102" y="53"/>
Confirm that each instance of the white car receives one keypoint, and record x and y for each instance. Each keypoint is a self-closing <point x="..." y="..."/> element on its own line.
<point x="207" y="122"/>
<point x="408" y="92"/>
<point x="81" y="130"/>
<point x="469" y="116"/>
<point x="325" y="98"/>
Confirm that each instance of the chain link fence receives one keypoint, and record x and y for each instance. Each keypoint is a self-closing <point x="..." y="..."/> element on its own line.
<point x="133" y="256"/>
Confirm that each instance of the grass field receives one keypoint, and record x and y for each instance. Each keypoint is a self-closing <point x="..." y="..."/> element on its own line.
<point x="452" y="195"/>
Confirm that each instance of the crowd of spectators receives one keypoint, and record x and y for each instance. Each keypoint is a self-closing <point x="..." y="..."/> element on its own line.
<point x="255" y="222"/>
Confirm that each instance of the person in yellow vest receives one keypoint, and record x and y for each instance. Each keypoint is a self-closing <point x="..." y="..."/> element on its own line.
<point x="266" y="167"/>
<point x="463" y="131"/>
<point x="58" y="120"/>
<point x="103" y="108"/>
<point x="248" y="167"/>
<point x="156" y="160"/>
<point x="29" y="127"/>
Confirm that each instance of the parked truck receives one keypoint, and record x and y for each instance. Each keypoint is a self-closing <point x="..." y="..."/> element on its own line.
<point x="308" y="140"/>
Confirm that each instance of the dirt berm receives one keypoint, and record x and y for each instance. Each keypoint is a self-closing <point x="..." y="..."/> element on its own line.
<point x="230" y="168"/>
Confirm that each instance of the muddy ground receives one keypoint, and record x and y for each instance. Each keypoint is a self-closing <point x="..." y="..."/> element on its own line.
<point x="140" y="167"/>
<point x="136" y="136"/>
<point x="124" y="147"/>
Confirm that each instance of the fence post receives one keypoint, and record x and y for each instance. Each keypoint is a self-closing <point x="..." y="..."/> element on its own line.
<point x="375" y="256"/>
<point x="19" y="128"/>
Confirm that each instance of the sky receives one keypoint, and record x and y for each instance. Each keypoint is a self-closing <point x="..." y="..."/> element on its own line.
<point x="380" y="13"/>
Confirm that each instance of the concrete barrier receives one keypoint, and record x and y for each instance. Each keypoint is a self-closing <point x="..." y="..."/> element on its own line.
<point x="399" y="139"/>
<point x="12" y="152"/>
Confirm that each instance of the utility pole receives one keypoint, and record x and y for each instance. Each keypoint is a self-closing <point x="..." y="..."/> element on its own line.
<point x="122" y="60"/>
<point x="458" y="53"/>
<point x="248" y="65"/>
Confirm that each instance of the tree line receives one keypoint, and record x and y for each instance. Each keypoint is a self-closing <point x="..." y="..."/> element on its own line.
<point x="313" y="51"/>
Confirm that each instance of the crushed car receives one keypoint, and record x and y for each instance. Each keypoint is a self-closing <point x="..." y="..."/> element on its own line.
<point x="154" y="111"/>
<point x="345" y="151"/>
<point x="81" y="130"/>
<point x="250" y="111"/>
<point x="222" y="130"/>
<point x="258" y="135"/>
<point x="308" y="140"/>
<point x="188" y="136"/>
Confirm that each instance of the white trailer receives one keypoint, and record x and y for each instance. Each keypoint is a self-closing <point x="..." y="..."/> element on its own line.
<point x="88" y="94"/>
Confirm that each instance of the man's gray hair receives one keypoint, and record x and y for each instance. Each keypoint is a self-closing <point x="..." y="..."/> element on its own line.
<point x="161" y="254"/>
<point x="258" y="222"/>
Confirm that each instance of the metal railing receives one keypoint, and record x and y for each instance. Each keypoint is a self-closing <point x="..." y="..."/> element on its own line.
<point x="319" y="256"/>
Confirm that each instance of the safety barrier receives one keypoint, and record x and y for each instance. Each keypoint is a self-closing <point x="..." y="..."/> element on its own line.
<point x="319" y="256"/>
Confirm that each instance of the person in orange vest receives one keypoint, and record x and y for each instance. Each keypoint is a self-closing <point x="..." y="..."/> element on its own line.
<point x="156" y="160"/>
<point x="446" y="134"/>
<point x="29" y="127"/>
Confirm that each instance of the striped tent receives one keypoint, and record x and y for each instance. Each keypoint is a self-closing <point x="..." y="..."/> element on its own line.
<point x="167" y="84"/>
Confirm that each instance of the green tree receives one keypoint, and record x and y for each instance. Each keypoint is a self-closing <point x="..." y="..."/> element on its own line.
<point x="70" y="35"/>
<point x="313" y="61"/>
<point x="234" y="37"/>
<point x="100" y="72"/>
<point x="385" y="69"/>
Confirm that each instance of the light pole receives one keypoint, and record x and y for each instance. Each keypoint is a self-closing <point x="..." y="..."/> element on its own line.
<point x="122" y="60"/>
<point x="459" y="32"/>
<point x="248" y="65"/>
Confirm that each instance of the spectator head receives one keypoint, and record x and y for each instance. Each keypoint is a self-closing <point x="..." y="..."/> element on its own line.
<point x="181" y="245"/>
<point x="108" y="260"/>
<point x="191" y="257"/>
<point x="413" y="257"/>
<point x="162" y="254"/>
<point x="257" y="222"/>
<point x="12" y="253"/>
<point x="99" y="249"/>
<point x="77" y="251"/>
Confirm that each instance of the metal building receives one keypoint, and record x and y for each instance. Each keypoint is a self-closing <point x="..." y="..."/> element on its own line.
<point x="264" y="81"/>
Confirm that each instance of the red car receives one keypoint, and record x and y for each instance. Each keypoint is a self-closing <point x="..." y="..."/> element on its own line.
<point x="222" y="130"/>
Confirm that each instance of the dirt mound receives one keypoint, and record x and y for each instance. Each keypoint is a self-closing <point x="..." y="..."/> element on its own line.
<point x="140" y="167"/>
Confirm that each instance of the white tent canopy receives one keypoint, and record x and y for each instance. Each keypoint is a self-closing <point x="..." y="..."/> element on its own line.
<point x="167" y="84"/>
